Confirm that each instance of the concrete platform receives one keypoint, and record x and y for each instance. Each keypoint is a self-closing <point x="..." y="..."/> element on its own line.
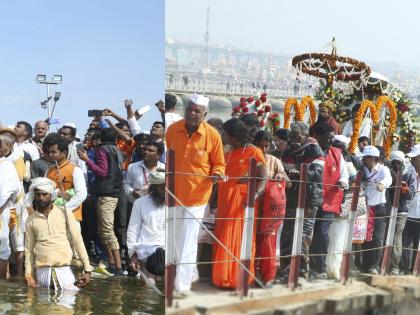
<point x="318" y="297"/>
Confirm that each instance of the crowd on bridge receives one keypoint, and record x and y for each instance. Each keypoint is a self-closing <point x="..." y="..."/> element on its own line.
<point x="211" y="168"/>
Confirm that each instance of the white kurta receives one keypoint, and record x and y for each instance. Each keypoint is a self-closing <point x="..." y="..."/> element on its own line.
<point x="9" y="189"/>
<point x="146" y="230"/>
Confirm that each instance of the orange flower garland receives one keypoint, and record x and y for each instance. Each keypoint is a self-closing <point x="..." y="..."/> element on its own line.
<point x="383" y="99"/>
<point x="358" y="119"/>
<point x="308" y="101"/>
<point x="287" y="107"/>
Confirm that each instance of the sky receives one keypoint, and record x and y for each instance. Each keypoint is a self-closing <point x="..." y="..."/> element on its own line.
<point x="369" y="30"/>
<point x="105" y="50"/>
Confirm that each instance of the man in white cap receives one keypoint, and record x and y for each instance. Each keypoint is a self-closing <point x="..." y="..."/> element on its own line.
<point x="376" y="179"/>
<point x="408" y="192"/>
<point x="146" y="230"/>
<point x="199" y="152"/>
<point x="10" y="187"/>
<point x="411" y="234"/>
<point x="51" y="232"/>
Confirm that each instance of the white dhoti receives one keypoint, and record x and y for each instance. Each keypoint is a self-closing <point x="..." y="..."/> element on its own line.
<point x="64" y="279"/>
<point x="143" y="252"/>
<point x="186" y="243"/>
<point x="4" y="234"/>
<point x="18" y="232"/>
<point x="335" y="248"/>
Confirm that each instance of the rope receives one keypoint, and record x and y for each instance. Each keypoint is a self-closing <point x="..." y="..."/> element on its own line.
<point x="226" y="178"/>
<point x="235" y="259"/>
<point x="305" y="218"/>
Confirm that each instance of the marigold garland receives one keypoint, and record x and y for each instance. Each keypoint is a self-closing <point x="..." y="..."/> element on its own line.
<point x="384" y="99"/>
<point x="287" y="107"/>
<point x="308" y="101"/>
<point x="357" y="123"/>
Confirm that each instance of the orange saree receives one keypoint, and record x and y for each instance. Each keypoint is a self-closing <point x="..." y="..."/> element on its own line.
<point x="230" y="204"/>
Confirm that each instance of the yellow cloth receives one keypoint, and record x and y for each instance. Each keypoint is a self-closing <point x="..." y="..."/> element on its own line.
<point x="47" y="244"/>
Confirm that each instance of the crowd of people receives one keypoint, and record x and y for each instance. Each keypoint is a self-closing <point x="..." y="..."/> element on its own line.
<point x="71" y="206"/>
<point x="212" y="159"/>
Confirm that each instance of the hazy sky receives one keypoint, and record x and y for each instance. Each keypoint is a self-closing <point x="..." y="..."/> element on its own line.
<point x="371" y="30"/>
<point x="106" y="51"/>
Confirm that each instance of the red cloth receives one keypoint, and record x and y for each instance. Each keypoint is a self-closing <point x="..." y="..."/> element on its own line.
<point x="332" y="196"/>
<point x="370" y="224"/>
<point x="266" y="248"/>
<point x="273" y="207"/>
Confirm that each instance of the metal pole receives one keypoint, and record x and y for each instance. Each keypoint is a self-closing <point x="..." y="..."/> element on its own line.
<point x="416" y="270"/>
<point x="298" y="230"/>
<point x="386" y="260"/>
<point x="345" y="263"/>
<point x="248" y="230"/>
<point x="49" y="107"/>
<point x="170" y="228"/>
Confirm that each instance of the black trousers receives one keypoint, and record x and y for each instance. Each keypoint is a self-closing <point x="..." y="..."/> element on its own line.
<point x="89" y="222"/>
<point x="372" y="257"/>
<point x="321" y="240"/>
<point x="286" y="239"/>
<point x="410" y="238"/>
<point x="121" y="220"/>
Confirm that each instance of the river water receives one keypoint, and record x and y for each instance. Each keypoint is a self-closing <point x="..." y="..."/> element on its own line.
<point x="122" y="295"/>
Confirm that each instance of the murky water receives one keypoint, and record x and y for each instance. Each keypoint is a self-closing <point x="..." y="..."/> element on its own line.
<point x="124" y="295"/>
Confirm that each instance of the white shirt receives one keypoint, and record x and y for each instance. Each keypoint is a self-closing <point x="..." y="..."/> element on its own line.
<point x="147" y="225"/>
<point x="80" y="191"/>
<point x="414" y="209"/>
<point x="380" y="174"/>
<point x="29" y="148"/>
<point x="134" y="126"/>
<point x="9" y="182"/>
<point x="137" y="177"/>
<point x="170" y="118"/>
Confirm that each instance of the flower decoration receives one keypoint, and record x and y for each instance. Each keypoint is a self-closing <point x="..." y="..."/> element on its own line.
<point x="260" y="107"/>
<point x="358" y="120"/>
<point x="391" y="123"/>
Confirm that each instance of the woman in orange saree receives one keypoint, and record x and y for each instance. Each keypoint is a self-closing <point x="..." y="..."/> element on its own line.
<point x="232" y="196"/>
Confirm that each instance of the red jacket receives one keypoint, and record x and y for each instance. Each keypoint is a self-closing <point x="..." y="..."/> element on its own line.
<point x="332" y="196"/>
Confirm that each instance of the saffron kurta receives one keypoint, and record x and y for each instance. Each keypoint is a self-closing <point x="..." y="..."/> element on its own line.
<point x="231" y="204"/>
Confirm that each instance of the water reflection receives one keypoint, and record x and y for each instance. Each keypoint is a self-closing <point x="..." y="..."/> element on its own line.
<point x="102" y="296"/>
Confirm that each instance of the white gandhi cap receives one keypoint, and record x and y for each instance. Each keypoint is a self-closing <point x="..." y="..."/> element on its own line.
<point x="370" y="150"/>
<point x="200" y="100"/>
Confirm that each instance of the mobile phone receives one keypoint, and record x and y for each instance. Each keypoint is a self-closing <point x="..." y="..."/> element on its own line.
<point x="80" y="146"/>
<point x="95" y="112"/>
<point x="143" y="110"/>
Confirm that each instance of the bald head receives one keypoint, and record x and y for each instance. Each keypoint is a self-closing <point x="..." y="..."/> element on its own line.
<point x="41" y="129"/>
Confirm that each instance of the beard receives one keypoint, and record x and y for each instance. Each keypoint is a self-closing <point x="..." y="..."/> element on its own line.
<point x="157" y="196"/>
<point x="41" y="205"/>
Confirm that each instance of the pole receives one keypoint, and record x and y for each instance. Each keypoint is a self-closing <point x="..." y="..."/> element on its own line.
<point x="345" y="263"/>
<point x="298" y="230"/>
<point x="386" y="260"/>
<point x="49" y="107"/>
<point x="416" y="270"/>
<point x="170" y="228"/>
<point x="248" y="230"/>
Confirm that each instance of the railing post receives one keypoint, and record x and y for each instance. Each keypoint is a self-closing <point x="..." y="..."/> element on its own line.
<point x="248" y="230"/>
<point x="170" y="228"/>
<point x="416" y="270"/>
<point x="386" y="260"/>
<point x="297" y="234"/>
<point x="345" y="263"/>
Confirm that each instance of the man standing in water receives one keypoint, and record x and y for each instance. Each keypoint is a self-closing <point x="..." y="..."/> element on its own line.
<point x="48" y="247"/>
<point x="198" y="150"/>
